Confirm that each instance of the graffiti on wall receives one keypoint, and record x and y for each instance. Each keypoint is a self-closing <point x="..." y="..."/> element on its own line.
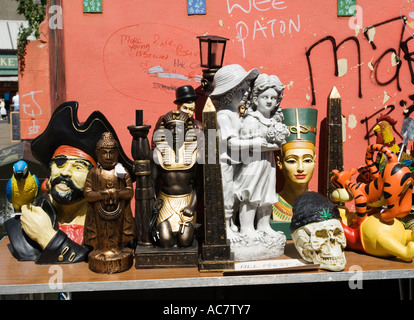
<point x="31" y="108"/>
<point x="269" y="26"/>
<point x="398" y="54"/>
<point x="159" y="59"/>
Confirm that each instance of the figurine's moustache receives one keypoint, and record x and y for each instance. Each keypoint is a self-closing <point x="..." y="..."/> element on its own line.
<point x="73" y="195"/>
<point x="65" y="180"/>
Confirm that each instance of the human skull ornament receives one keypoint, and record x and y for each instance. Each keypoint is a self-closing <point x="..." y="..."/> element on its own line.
<point x="322" y="243"/>
<point x="317" y="231"/>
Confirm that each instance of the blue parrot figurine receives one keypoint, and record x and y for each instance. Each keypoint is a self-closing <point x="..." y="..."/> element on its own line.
<point x="23" y="187"/>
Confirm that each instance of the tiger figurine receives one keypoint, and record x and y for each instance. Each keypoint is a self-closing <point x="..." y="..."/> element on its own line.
<point x="392" y="187"/>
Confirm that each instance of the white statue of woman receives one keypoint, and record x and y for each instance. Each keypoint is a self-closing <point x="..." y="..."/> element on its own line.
<point x="231" y="88"/>
<point x="255" y="184"/>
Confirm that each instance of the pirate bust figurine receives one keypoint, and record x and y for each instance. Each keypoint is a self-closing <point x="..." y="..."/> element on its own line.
<point x="296" y="160"/>
<point x="175" y="171"/>
<point x="109" y="225"/>
<point x="50" y="230"/>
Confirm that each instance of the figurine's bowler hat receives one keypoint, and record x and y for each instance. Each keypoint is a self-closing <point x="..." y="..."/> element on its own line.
<point x="64" y="129"/>
<point x="185" y="94"/>
<point x="230" y="76"/>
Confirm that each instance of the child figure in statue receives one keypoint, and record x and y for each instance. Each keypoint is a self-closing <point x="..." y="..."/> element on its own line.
<point x="256" y="182"/>
<point x="109" y="224"/>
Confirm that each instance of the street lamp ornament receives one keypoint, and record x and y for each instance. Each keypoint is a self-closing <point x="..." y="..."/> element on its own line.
<point x="212" y="50"/>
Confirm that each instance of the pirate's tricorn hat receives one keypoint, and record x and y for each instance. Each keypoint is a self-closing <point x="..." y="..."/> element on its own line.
<point x="64" y="129"/>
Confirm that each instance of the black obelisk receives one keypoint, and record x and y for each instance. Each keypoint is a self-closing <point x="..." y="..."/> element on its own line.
<point x="215" y="251"/>
<point x="335" y="148"/>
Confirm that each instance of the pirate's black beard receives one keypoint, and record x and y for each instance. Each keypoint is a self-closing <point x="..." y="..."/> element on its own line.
<point x="73" y="195"/>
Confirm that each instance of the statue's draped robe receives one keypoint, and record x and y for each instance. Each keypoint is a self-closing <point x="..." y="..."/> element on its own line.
<point x="108" y="226"/>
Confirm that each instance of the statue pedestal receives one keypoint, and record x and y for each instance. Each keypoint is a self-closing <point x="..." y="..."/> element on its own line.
<point x="253" y="249"/>
<point x="216" y="257"/>
<point x="175" y="257"/>
<point x="104" y="262"/>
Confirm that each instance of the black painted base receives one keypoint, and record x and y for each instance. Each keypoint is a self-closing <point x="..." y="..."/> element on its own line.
<point x="216" y="258"/>
<point x="147" y="257"/>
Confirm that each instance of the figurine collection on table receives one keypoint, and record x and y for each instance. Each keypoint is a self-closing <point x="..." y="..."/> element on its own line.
<point x="226" y="164"/>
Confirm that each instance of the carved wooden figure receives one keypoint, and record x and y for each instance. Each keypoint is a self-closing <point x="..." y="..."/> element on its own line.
<point x="109" y="225"/>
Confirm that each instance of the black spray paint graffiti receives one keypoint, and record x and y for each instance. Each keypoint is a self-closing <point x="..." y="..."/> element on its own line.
<point x="369" y="129"/>
<point x="410" y="109"/>
<point x="403" y="46"/>
<point x="388" y="111"/>
<point x="397" y="53"/>
<point x="335" y="48"/>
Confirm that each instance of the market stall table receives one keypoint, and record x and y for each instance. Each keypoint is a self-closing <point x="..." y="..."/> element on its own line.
<point x="27" y="277"/>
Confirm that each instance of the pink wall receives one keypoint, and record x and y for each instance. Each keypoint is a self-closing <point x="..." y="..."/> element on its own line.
<point x="34" y="91"/>
<point x="117" y="61"/>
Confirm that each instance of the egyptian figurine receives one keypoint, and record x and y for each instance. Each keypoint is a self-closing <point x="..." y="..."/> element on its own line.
<point x="174" y="172"/>
<point x="109" y="224"/>
<point x="296" y="160"/>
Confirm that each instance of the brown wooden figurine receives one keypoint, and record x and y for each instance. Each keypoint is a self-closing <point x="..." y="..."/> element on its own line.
<point x="109" y="225"/>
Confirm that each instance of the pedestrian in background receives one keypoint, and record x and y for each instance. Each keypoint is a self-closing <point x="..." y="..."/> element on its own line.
<point x="16" y="101"/>
<point x="3" y="111"/>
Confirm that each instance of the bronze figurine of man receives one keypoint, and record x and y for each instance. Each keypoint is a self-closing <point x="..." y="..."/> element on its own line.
<point x="174" y="171"/>
<point x="109" y="224"/>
